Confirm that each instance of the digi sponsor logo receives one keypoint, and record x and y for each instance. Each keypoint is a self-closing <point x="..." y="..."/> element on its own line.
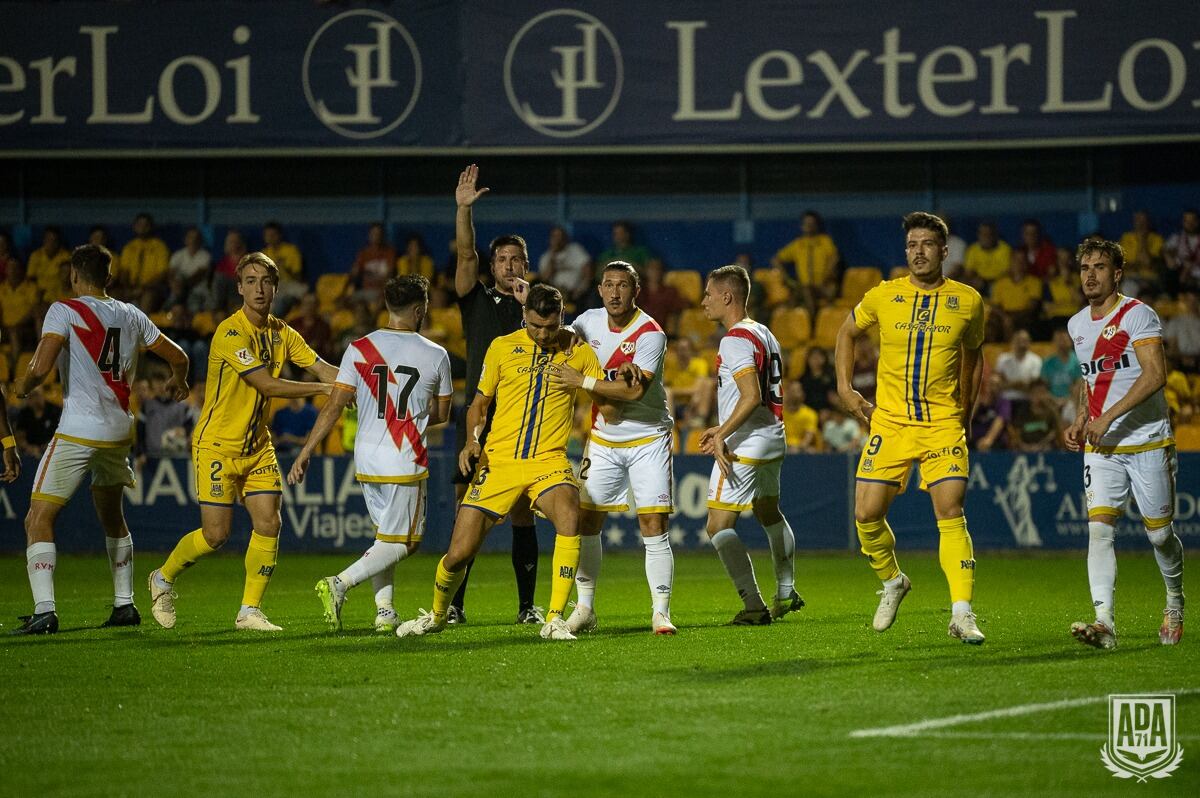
<point x="1104" y="364"/>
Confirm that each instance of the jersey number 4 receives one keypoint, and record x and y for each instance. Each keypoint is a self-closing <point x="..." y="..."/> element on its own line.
<point x="381" y="386"/>
<point x="109" y="361"/>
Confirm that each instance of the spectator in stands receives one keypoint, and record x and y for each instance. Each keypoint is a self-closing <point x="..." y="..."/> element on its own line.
<point x="1060" y="372"/>
<point x="1039" y="251"/>
<point x="1143" y="256"/>
<point x="291" y="268"/>
<point x="1018" y="369"/>
<point x="364" y="323"/>
<point x="988" y="259"/>
<point x="35" y="424"/>
<point x="143" y="272"/>
<point x="7" y="253"/>
<point x="178" y="327"/>
<point x="415" y="259"/>
<point x="841" y="432"/>
<point x="624" y="248"/>
<point x="756" y="302"/>
<point x="661" y="301"/>
<point x="291" y="425"/>
<point x="1181" y="255"/>
<point x="814" y="258"/>
<point x="45" y="264"/>
<point x="313" y="328"/>
<point x="19" y="298"/>
<point x="374" y="265"/>
<point x="1016" y="297"/>
<point x="1181" y="399"/>
<point x="800" y="422"/>
<point x="567" y="266"/>
<point x="819" y="380"/>
<point x="956" y="252"/>
<point x="1182" y="332"/>
<point x="1062" y="298"/>
<point x="866" y="367"/>
<point x="224" y="277"/>
<point x="190" y="266"/>
<point x="989" y="425"/>
<point x="690" y="388"/>
<point x="1037" y="424"/>
<point x="164" y="426"/>
<point x="98" y="236"/>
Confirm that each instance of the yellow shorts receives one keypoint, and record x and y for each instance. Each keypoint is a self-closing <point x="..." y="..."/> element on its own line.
<point x="497" y="484"/>
<point x="939" y="451"/>
<point x="221" y="480"/>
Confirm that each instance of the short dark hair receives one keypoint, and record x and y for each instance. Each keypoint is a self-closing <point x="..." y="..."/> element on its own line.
<point x="1112" y="249"/>
<point x="98" y="228"/>
<point x="55" y="231"/>
<point x="512" y="239"/>
<point x="544" y="300"/>
<point x="735" y="277"/>
<point x="624" y="268"/>
<point x="920" y="220"/>
<point x="94" y="264"/>
<point x="404" y="290"/>
<point x="257" y="259"/>
<point x="816" y="217"/>
<point x="143" y="215"/>
<point x="276" y="226"/>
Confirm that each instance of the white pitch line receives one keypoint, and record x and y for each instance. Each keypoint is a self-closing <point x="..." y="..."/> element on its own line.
<point x="911" y="729"/>
<point x="969" y="735"/>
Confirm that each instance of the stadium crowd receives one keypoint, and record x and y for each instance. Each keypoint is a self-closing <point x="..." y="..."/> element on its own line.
<point x="1031" y="379"/>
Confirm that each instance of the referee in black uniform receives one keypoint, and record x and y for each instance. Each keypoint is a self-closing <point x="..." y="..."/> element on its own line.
<point x="487" y="313"/>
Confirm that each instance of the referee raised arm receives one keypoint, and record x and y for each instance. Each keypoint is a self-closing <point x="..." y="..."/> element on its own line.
<point x="487" y="313"/>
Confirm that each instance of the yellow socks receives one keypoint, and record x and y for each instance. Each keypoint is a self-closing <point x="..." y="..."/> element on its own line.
<point x="957" y="558"/>
<point x="190" y="548"/>
<point x="879" y="544"/>
<point x="563" y="567"/>
<point x="445" y="585"/>
<point x="261" y="555"/>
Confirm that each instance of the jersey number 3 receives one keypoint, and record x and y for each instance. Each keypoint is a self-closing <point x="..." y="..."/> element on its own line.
<point x="109" y="361"/>
<point x="381" y="386"/>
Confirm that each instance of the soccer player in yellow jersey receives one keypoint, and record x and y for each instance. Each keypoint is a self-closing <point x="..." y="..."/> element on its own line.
<point x="525" y="455"/>
<point x="931" y="331"/>
<point x="231" y="446"/>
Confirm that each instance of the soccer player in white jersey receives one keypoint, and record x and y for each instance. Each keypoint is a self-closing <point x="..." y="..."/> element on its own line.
<point x="1125" y="433"/>
<point x="748" y="446"/>
<point x="400" y="381"/>
<point x="95" y="340"/>
<point x="629" y="447"/>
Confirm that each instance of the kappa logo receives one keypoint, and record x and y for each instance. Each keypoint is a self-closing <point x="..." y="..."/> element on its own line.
<point x="954" y="469"/>
<point x="362" y="74"/>
<point x="518" y="350"/>
<point x="578" y="55"/>
<point x="952" y="302"/>
<point x="899" y="299"/>
<point x="231" y="333"/>
<point x="1141" y="737"/>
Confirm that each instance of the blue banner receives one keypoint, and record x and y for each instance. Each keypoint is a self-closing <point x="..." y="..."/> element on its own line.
<point x="1014" y="501"/>
<point x="218" y="76"/>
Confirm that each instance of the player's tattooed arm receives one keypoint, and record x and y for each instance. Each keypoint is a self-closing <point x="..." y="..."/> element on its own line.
<point x="330" y="413"/>
<point x="466" y="275"/>
<point x="843" y="363"/>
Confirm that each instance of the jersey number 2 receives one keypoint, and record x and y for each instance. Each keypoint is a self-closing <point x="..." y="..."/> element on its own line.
<point x="381" y="385"/>
<point x="109" y="361"/>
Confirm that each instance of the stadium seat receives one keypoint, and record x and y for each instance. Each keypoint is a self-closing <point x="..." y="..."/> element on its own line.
<point x="1042" y="349"/>
<point x="203" y="323"/>
<point x="792" y="326"/>
<point x="856" y="282"/>
<point x="693" y="323"/>
<point x="329" y="288"/>
<point x="897" y="272"/>
<point x="382" y="319"/>
<point x="829" y="321"/>
<point x="687" y="282"/>
<point x="341" y="321"/>
<point x="1187" y="437"/>
<point x="691" y="441"/>
<point x="774" y="286"/>
<point x="448" y="322"/>
<point x="161" y="319"/>
<point x="797" y="361"/>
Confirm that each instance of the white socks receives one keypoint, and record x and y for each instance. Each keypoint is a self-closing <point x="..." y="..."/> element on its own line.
<point x="783" y="554"/>
<point x="40" y="561"/>
<point x="1102" y="569"/>
<point x="1168" y="552"/>
<point x="737" y="564"/>
<point x="383" y="583"/>
<point x="591" y="555"/>
<point x="960" y="608"/>
<point x="120" y="562"/>
<point x="382" y="556"/>
<point x="660" y="571"/>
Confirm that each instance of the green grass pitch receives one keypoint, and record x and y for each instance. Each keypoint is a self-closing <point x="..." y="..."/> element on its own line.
<point x="491" y="709"/>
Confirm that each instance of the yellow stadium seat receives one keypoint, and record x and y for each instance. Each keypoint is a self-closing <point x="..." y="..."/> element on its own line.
<point x="1042" y="349"/>
<point x="341" y="321"/>
<point x="687" y="282"/>
<point x="774" y="284"/>
<point x="692" y="323"/>
<point x="792" y="326"/>
<point x="448" y="321"/>
<point x="1187" y="437"/>
<point x="897" y="272"/>
<point x="203" y="323"/>
<point x="856" y="282"/>
<point x="797" y="362"/>
<point x="829" y="321"/>
<point x="691" y="441"/>
<point x="329" y="288"/>
<point x="333" y="441"/>
<point x="382" y="319"/>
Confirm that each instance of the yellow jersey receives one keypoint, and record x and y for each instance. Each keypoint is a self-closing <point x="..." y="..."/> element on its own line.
<point x="286" y="256"/>
<point x="232" y="421"/>
<point x="921" y="335"/>
<point x="144" y="262"/>
<point x="533" y="418"/>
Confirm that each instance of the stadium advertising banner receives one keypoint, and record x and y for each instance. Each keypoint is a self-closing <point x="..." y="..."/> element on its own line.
<point x="1014" y="501"/>
<point x="219" y="77"/>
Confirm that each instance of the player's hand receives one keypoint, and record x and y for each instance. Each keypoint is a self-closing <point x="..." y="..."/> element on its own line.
<point x="520" y="289"/>
<point x="470" y="452"/>
<point x="856" y="405"/>
<point x="1073" y="437"/>
<point x="12" y="465"/>
<point x="724" y="461"/>
<point x="1096" y="428"/>
<point x="708" y="440"/>
<point x="564" y="376"/>
<point x="466" y="193"/>
<point x="178" y="389"/>
<point x="630" y="373"/>
<point x="296" y="474"/>
<point x="326" y="388"/>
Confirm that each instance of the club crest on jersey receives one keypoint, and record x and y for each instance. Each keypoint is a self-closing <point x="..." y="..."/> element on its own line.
<point x="276" y="339"/>
<point x="952" y="302"/>
<point x="243" y="355"/>
<point x="627" y="347"/>
<point x="1109" y="332"/>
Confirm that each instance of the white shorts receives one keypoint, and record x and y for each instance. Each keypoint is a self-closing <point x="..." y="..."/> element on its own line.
<point x="747" y="483"/>
<point x="1108" y="479"/>
<point x="397" y="510"/>
<point x="65" y="462"/>
<point x="608" y="474"/>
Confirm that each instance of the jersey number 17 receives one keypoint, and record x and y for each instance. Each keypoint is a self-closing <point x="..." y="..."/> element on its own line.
<point x="411" y="376"/>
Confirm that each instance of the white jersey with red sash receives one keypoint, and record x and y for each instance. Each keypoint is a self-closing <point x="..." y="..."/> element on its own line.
<point x="643" y="343"/>
<point x="1107" y="357"/>
<point x="102" y="339"/>
<point x="396" y="376"/>
<point x="750" y="346"/>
